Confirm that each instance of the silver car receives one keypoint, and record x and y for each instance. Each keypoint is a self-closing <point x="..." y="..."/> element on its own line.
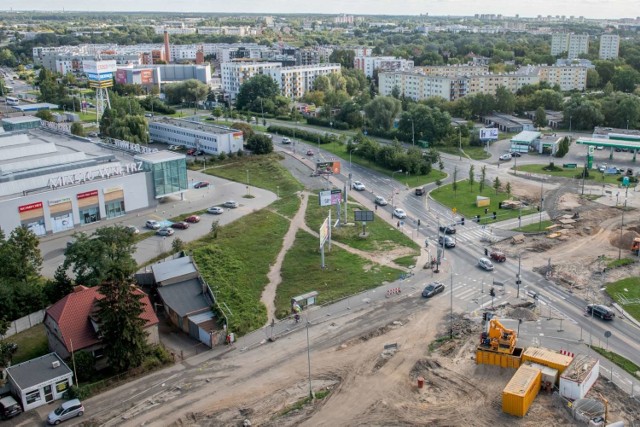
<point x="485" y="264"/>
<point x="72" y="408"/>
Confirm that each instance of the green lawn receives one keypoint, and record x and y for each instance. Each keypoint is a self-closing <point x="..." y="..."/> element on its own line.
<point x="236" y="263"/>
<point x="594" y="176"/>
<point x="626" y="292"/>
<point x="535" y="227"/>
<point x="622" y="362"/>
<point x="264" y="172"/>
<point x="345" y="273"/>
<point x="382" y="236"/>
<point x="464" y="200"/>
<point x="32" y="343"/>
<point x="476" y="153"/>
<point x="340" y="150"/>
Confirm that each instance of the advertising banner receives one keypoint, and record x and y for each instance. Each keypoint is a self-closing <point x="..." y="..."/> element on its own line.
<point x="324" y="231"/>
<point x="121" y="77"/>
<point x="488" y="133"/>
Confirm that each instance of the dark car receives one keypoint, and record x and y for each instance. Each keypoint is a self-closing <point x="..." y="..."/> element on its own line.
<point x="515" y="154"/>
<point x="9" y="408"/>
<point x="498" y="256"/>
<point x="309" y="153"/>
<point x="432" y="289"/>
<point x="419" y="191"/>
<point x="600" y="311"/>
<point x="182" y="225"/>
<point x="201" y="184"/>
<point x="448" y="229"/>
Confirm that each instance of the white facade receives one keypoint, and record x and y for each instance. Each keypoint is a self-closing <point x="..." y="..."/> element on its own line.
<point x="609" y="46"/>
<point x="574" y="44"/>
<point x="234" y="74"/>
<point x="415" y="85"/>
<point x="368" y="64"/>
<point x="579" y="377"/>
<point x="211" y="139"/>
<point x="294" y="82"/>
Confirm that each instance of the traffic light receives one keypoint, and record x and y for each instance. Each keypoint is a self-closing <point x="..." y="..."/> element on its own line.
<point x="486" y="211"/>
<point x="462" y="221"/>
<point x="418" y="222"/>
<point x="492" y="292"/>
<point x="478" y="218"/>
<point x="538" y="207"/>
<point x="484" y="316"/>
<point x="494" y="215"/>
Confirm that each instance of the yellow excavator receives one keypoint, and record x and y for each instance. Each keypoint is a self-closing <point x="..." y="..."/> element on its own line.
<point x="498" y="338"/>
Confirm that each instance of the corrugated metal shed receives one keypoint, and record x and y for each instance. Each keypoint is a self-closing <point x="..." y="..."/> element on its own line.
<point x="547" y="358"/>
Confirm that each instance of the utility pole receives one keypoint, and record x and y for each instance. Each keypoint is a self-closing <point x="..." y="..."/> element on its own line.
<point x="541" y="200"/>
<point x="451" y="305"/>
<point x="621" y="225"/>
<point x="309" y="359"/>
<point x="518" y="281"/>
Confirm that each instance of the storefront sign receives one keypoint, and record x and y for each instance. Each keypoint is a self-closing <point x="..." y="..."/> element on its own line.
<point x="30" y="207"/>
<point x="112" y="189"/>
<point x="59" y="201"/>
<point x="87" y="194"/>
<point x="105" y="172"/>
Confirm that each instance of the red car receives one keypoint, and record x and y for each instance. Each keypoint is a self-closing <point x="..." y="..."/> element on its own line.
<point x="180" y="225"/>
<point x="191" y="151"/>
<point x="309" y="153"/>
<point x="192" y="219"/>
<point x="201" y="184"/>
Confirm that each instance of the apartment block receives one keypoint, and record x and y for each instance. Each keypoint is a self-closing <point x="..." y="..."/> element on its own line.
<point x="489" y="83"/>
<point x="295" y="81"/>
<point x="416" y="85"/>
<point x="368" y="64"/>
<point x="609" y="46"/>
<point x="454" y="70"/>
<point x="234" y="74"/>
<point x="567" y="77"/>
<point x="573" y="44"/>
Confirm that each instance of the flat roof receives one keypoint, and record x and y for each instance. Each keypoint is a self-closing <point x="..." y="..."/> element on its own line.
<point x="173" y="268"/>
<point x="579" y="368"/>
<point x="185" y="297"/>
<point x="36" y="371"/>
<point x="526" y="136"/>
<point x="20" y="119"/>
<point x="521" y="380"/>
<point x="159" y="156"/>
<point x="194" y="125"/>
<point x="37" y="106"/>
<point x="605" y="142"/>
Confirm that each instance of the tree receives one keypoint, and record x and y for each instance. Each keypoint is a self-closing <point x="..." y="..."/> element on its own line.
<point x="343" y="57"/>
<point x="382" y="111"/>
<point x="85" y="365"/>
<point x="45" y="115"/>
<point x="21" y="258"/>
<point x="177" y="245"/>
<point x="190" y="91"/>
<point x="472" y="177"/>
<point x="60" y="286"/>
<point x="505" y="100"/>
<point x="483" y="176"/>
<point x="77" y="129"/>
<point x="625" y="79"/>
<point x="216" y="113"/>
<point x="258" y="87"/>
<point x="496" y="184"/>
<point x="563" y="147"/>
<point x="260" y="144"/>
<point x="507" y="189"/>
<point x="540" y="118"/>
<point x="440" y="165"/>
<point x="593" y="79"/>
<point x="106" y="255"/>
<point x="247" y="130"/>
<point x="121" y="327"/>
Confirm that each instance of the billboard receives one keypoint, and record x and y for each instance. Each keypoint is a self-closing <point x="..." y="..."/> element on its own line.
<point x="330" y="197"/>
<point x="327" y="168"/>
<point x="121" y="76"/>
<point x="324" y="231"/>
<point x="99" y="67"/>
<point x="99" y="77"/>
<point x="488" y="133"/>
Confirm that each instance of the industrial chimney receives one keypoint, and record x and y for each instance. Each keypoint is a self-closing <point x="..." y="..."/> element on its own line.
<point x="167" y="54"/>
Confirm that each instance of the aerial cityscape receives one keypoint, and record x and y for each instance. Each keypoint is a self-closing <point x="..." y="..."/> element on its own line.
<point x="346" y="213"/>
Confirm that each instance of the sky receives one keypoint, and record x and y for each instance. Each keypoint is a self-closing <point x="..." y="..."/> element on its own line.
<point x="532" y="8"/>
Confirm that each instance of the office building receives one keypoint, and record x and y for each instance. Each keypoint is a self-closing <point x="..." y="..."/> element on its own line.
<point x="211" y="139"/>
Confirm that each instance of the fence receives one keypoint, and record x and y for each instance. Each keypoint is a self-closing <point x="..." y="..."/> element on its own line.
<point x="24" y="323"/>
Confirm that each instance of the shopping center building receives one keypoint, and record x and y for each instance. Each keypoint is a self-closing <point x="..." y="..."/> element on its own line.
<point x="52" y="183"/>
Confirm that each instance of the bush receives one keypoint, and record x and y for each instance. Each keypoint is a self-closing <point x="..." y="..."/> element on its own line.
<point x="150" y="363"/>
<point x="77" y="129"/>
<point x="161" y="353"/>
<point x="303" y="134"/>
<point x="327" y="123"/>
<point x="75" y="392"/>
<point x="553" y="168"/>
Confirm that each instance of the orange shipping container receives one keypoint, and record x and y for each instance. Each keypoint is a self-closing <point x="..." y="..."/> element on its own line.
<point x="486" y="357"/>
<point x="547" y="358"/>
<point x="518" y="395"/>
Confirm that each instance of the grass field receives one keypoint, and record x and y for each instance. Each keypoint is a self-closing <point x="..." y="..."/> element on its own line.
<point x="625" y="292"/>
<point x="476" y="153"/>
<point x="535" y="227"/>
<point x="345" y="273"/>
<point x="381" y="237"/>
<point x="594" y="176"/>
<point x="32" y="343"/>
<point x="622" y="362"/>
<point x="264" y="172"/>
<point x="464" y="200"/>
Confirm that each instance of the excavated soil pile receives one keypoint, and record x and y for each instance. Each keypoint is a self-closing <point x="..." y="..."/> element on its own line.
<point x="624" y="241"/>
<point x="522" y="313"/>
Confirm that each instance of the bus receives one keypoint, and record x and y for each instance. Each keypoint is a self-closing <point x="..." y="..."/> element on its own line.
<point x="12" y="101"/>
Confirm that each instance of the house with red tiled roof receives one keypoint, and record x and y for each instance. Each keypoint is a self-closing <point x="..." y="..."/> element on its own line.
<point x="72" y="324"/>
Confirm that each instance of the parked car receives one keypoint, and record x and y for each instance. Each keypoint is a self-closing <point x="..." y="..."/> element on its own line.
<point x="498" y="256"/>
<point x="268" y="135"/>
<point x="216" y="210"/>
<point x="9" y="408"/>
<point x="515" y="154"/>
<point x="505" y="156"/>
<point x="602" y="167"/>
<point x="201" y="184"/>
<point x="448" y="229"/>
<point x="357" y="185"/>
<point x="419" y="191"/>
<point x="399" y="213"/>
<point x="70" y="409"/>
<point x="309" y="152"/>
<point x="381" y="201"/>
<point x="286" y="140"/>
<point x="153" y="225"/>
<point x="191" y="151"/>
<point x="180" y="225"/>
<point x="192" y="219"/>
<point x="432" y="289"/>
<point x="199" y="153"/>
<point x="599" y="147"/>
<point x="93" y="134"/>
<point x="485" y="264"/>
<point x="166" y="231"/>
<point x="230" y="204"/>
<point x="600" y="311"/>
<point x="132" y="229"/>
<point x="448" y="241"/>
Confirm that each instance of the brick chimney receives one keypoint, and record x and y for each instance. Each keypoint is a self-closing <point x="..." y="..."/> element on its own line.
<point x="167" y="54"/>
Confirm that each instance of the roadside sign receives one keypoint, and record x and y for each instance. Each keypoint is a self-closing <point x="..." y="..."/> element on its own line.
<point x="454" y="210"/>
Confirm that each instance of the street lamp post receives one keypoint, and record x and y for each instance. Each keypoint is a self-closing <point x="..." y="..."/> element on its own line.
<point x="570" y="117"/>
<point x="460" y="141"/>
<point x="309" y="359"/>
<point x="541" y="200"/>
<point x="248" y="189"/>
<point x="621" y="225"/>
